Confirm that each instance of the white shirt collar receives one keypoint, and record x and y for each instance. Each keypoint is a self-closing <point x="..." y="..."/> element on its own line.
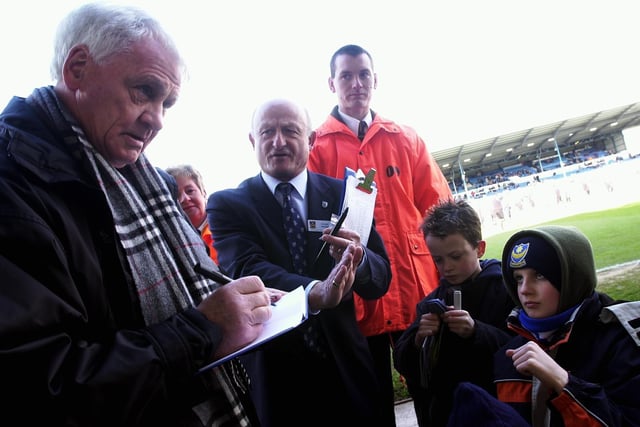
<point x="299" y="182"/>
<point x="353" y="123"/>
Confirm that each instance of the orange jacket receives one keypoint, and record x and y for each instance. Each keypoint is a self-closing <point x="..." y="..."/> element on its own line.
<point x="409" y="182"/>
<point x="208" y="239"/>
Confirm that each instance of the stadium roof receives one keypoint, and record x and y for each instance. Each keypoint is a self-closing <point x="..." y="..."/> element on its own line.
<point x="537" y="143"/>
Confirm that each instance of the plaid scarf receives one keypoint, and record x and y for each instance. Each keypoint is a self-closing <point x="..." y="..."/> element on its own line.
<point x="160" y="248"/>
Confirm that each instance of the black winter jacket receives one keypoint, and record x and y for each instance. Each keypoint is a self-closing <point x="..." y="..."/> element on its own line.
<point x="487" y="301"/>
<point x="74" y="349"/>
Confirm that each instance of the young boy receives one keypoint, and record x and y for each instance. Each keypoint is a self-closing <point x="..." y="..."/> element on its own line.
<point x="576" y="358"/>
<point x="440" y="350"/>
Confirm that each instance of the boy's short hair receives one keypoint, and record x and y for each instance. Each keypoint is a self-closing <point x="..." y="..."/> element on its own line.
<point x="450" y="217"/>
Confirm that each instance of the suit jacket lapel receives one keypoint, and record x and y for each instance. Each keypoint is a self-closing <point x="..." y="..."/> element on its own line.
<point x="321" y="203"/>
<point x="268" y="207"/>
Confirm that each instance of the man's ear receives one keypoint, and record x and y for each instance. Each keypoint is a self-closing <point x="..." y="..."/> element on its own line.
<point x="253" y="142"/>
<point x="332" y="88"/>
<point x="74" y="67"/>
<point x="312" y="139"/>
<point x="375" y="80"/>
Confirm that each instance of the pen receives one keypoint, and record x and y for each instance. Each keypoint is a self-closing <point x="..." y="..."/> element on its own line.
<point x="216" y="276"/>
<point x="212" y="274"/>
<point x="334" y="231"/>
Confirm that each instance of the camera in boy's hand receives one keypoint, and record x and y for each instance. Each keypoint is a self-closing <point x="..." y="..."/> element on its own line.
<point x="435" y="305"/>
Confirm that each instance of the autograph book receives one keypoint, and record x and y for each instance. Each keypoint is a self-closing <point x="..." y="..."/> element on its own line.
<point x="287" y="313"/>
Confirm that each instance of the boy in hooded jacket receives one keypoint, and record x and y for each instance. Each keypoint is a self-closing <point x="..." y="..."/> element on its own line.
<point x="433" y="354"/>
<point x="576" y="358"/>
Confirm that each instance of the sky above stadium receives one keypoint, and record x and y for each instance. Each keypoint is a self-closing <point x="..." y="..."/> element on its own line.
<point x="457" y="71"/>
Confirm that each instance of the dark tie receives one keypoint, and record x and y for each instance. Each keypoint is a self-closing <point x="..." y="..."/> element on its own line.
<point x="296" y="237"/>
<point x="294" y="227"/>
<point x="362" y="129"/>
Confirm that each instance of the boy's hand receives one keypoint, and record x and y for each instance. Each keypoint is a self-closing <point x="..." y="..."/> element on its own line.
<point x="459" y="322"/>
<point x="428" y="326"/>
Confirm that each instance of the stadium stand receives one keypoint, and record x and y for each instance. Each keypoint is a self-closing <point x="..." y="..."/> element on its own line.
<point x="550" y="151"/>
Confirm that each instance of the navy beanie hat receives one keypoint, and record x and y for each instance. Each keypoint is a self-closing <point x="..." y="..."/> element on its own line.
<point x="535" y="252"/>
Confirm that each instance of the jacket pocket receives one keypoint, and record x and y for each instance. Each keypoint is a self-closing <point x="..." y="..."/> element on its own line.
<point x="422" y="265"/>
<point x="417" y="244"/>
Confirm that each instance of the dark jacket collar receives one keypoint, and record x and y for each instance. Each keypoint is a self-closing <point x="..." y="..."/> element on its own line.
<point x="35" y="146"/>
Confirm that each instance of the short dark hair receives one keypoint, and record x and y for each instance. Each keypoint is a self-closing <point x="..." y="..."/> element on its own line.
<point x="450" y="217"/>
<point x="351" y="50"/>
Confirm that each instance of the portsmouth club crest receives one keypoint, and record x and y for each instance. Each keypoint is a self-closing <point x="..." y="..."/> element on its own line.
<point x="518" y="255"/>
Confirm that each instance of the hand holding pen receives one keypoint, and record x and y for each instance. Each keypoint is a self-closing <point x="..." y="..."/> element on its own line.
<point x="332" y="232"/>
<point x="338" y="242"/>
<point x="239" y="308"/>
<point x="338" y="238"/>
<point x="217" y="276"/>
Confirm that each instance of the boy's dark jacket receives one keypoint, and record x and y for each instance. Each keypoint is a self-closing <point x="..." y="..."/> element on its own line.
<point x="486" y="299"/>
<point x="601" y="357"/>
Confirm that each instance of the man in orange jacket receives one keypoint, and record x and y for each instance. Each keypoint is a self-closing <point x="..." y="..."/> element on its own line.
<point x="409" y="182"/>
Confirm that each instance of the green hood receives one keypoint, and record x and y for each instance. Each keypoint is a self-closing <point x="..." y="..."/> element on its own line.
<point x="578" y="277"/>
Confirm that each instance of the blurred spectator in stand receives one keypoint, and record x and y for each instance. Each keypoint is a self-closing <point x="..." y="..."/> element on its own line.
<point x="497" y="211"/>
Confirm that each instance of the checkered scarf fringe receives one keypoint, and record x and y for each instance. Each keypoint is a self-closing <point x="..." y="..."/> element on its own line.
<point x="160" y="247"/>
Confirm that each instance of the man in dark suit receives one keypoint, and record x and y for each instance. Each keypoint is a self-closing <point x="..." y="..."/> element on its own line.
<point x="321" y="373"/>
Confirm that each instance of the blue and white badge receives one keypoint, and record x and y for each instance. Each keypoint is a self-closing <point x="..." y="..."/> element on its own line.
<point x="318" y="225"/>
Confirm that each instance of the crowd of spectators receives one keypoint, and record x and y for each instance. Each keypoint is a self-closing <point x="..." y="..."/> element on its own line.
<point x="498" y="180"/>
